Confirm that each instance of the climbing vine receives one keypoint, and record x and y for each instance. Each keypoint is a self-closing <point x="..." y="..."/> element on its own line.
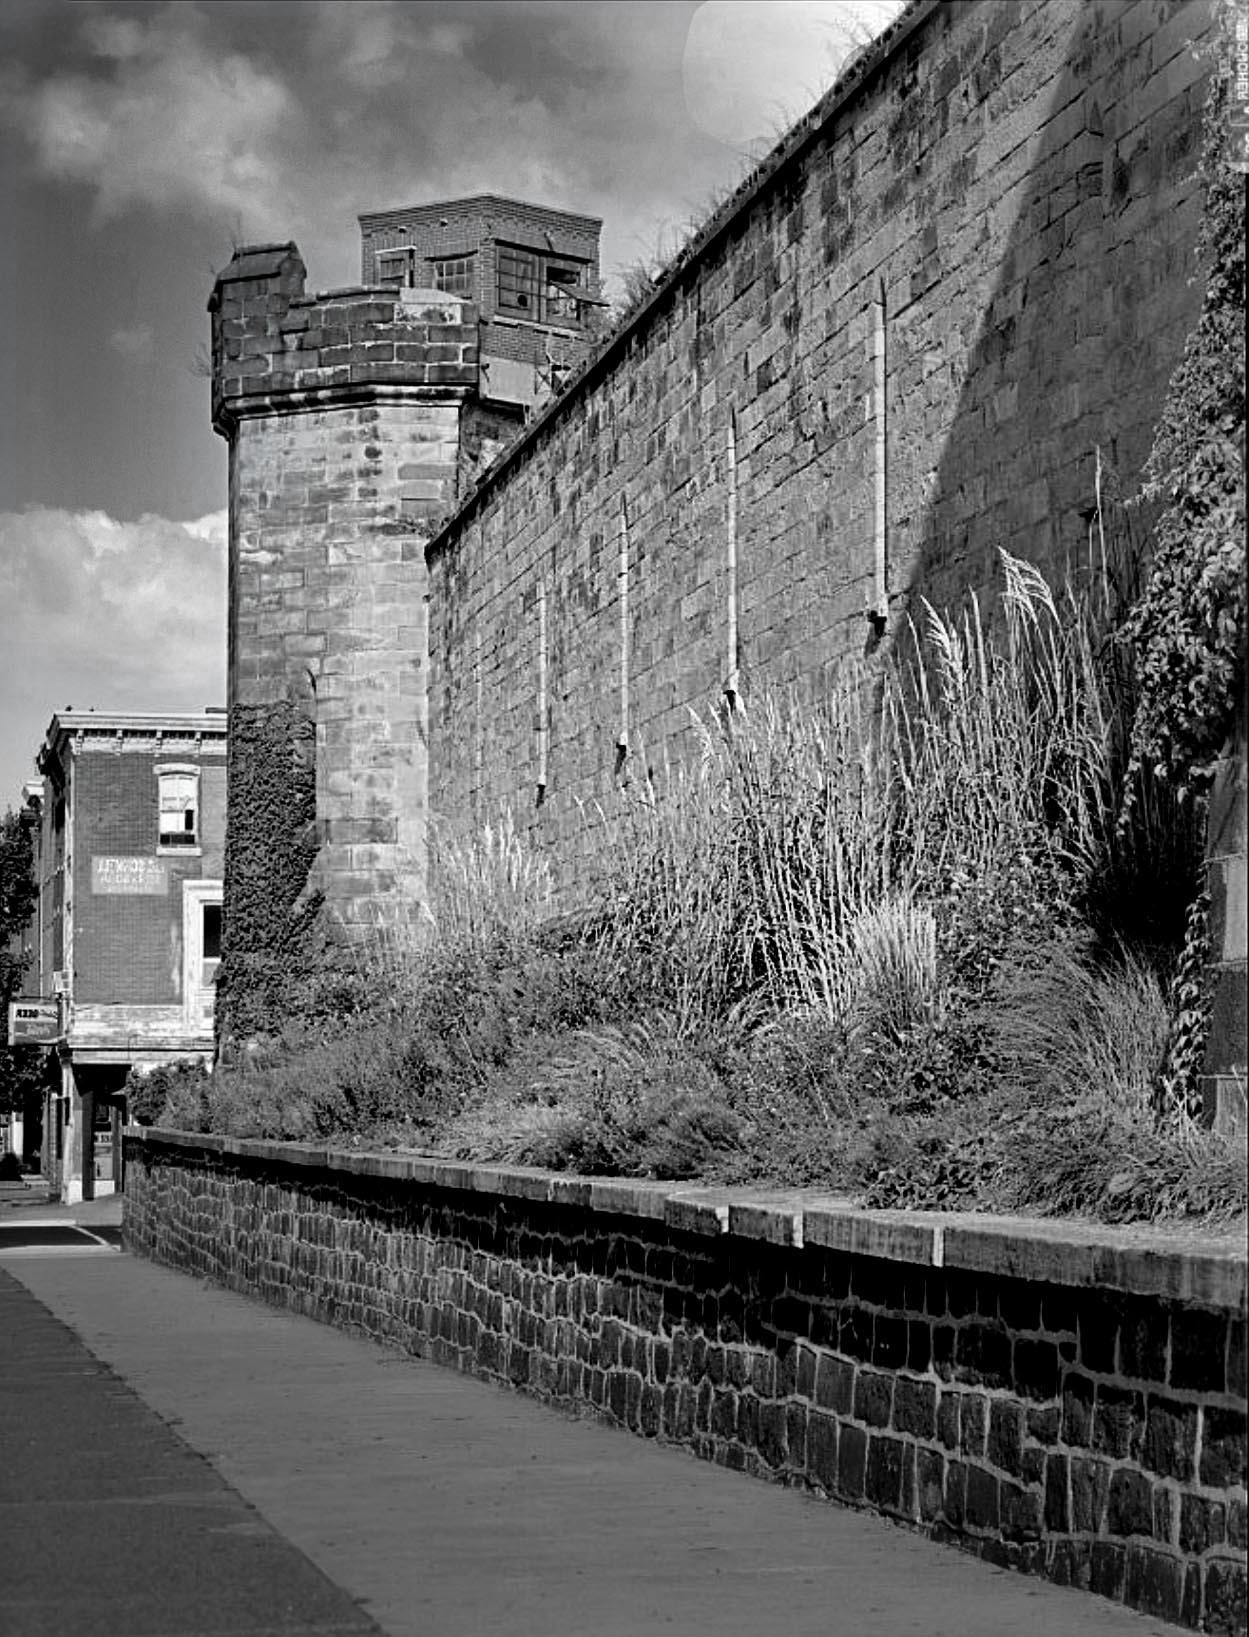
<point x="1178" y="1095"/>
<point x="283" y="964"/>
<point x="271" y="845"/>
<point x="1188" y="627"/>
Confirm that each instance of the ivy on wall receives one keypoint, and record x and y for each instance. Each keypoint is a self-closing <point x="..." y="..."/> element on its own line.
<point x="21" y="1067"/>
<point x="1188" y="627"/>
<point x="270" y="945"/>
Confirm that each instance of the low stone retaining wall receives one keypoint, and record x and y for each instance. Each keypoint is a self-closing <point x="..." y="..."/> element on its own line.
<point x="1064" y="1399"/>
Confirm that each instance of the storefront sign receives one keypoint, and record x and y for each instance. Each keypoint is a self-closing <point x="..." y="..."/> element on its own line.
<point x="147" y="877"/>
<point x="34" y="1022"/>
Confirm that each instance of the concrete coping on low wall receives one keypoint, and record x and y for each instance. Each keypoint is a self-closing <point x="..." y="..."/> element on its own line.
<point x="1178" y="1262"/>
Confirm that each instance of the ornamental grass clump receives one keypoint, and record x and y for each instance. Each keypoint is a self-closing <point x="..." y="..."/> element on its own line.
<point x="486" y="887"/>
<point x="666" y="908"/>
<point x="1000" y="745"/>
<point x="894" y="981"/>
<point x="809" y="832"/>
<point x="810" y="838"/>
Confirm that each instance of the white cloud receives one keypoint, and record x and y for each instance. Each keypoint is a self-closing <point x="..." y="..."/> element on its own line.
<point x="375" y="104"/>
<point x="753" y="67"/>
<point x="372" y="42"/>
<point x="96" y="611"/>
<point x="214" y="528"/>
<point x="278" y="121"/>
<point x="169" y="119"/>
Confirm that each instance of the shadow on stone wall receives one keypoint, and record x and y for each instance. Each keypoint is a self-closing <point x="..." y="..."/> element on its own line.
<point x="1075" y="340"/>
<point x="1085" y="319"/>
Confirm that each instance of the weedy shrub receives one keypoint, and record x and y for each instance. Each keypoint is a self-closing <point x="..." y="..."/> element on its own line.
<point x="1063" y="1124"/>
<point x="458" y="990"/>
<point x="169" y="1094"/>
<point x="797" y="1100"/>
<point x="361" y="1079"/>
<point x="307" y="1085"/>
<point x="630" y="1099"/>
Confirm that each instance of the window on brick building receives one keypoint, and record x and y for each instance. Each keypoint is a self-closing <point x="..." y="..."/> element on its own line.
<point x="395" y="267"/>
<point x="561" y="305"/>
<point x="550" y="289"/>
<point x="519" y="274"/>
<point x="211" y="945"/>
<point x="454" y="274"/>
<point x="179" y="807"/>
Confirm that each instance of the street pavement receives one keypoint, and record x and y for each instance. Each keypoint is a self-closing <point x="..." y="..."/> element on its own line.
<point x="112" y="1524"/>
<point x="35" y="1225"/>
<point x="180" y="1461"/>
<point x="16" y="1213"/>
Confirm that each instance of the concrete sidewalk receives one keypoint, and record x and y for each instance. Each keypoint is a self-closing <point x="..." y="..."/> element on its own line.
<point x="444" y="1506"/>
<point x="111" y="1523"/>
<point x="88" y="1213"/>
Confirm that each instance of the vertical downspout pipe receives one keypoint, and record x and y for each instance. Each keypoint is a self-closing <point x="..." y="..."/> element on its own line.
<point x="622" y="580"/>
<point x="542" y="694"/>
<point x="479" y="729"/>
<point x="879" y="610"/>
<point x="732" y="686"/>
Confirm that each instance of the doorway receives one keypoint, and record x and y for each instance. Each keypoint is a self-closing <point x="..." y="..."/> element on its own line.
<point x="201" y="953"/>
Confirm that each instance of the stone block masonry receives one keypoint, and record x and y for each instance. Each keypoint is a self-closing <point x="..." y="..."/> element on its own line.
<point x="342" y="413"/>
<point x="951" y="298"/>
<point x="1011" y="186"/>
<point x="1065" y="1400"/>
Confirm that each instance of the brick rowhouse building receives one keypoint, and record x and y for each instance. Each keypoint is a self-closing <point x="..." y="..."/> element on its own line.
<point x="132" y="827"/>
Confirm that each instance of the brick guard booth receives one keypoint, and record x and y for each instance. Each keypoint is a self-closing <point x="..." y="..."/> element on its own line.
<point x="1064" y="1399"/>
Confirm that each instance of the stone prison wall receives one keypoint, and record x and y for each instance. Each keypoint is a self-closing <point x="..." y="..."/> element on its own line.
<point x="938" y="320"/>
<point x="1066" y="1400"/>
<point x="957" y="286"/>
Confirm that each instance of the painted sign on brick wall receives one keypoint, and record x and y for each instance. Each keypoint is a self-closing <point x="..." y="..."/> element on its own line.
<point x="137" y="876"/>
<point x="34" y="1020"/>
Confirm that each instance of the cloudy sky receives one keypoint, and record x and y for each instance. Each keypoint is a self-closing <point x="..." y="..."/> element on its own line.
<point x="139" y="142"/>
